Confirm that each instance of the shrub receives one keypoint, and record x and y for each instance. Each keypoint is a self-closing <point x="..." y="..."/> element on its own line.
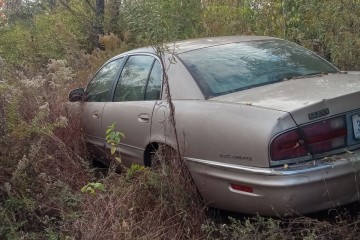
<point x="42" y="162"/>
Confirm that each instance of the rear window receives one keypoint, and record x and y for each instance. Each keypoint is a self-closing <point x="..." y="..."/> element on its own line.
<point x="228" y="68"/>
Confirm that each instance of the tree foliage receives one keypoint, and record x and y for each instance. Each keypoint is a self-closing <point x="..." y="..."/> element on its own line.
<point x="333" y="30"/>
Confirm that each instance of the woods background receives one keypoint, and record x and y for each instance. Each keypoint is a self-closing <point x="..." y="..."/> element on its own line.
<point x="37" y="30"/>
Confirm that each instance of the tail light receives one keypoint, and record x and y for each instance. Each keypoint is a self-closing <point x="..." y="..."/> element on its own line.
<point x="315" y="138"/>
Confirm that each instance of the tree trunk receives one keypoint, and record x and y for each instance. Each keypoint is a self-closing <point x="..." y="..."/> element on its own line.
<point x="99" y="22"/>
<point x="114" y="9"/>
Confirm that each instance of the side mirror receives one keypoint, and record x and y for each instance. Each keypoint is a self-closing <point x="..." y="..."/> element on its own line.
<point x="77" y="95"/>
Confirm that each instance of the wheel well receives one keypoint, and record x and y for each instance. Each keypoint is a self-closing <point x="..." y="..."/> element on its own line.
<point x="149" y="151"/>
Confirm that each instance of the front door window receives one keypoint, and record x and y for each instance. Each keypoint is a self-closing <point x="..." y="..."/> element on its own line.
<point x="98" y="90"/>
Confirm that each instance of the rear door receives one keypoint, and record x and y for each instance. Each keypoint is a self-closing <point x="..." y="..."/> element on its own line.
<point x="98" y="92"/>
<point x="134" y="97"/>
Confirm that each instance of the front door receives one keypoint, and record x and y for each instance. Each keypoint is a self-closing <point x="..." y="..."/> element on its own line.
<point x="97" y="93"/>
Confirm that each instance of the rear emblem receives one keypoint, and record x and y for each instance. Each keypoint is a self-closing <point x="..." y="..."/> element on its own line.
<point x="317" y="114"/>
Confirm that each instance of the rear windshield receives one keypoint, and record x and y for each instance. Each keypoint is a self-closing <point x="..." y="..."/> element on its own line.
<point x="228" y="68"/>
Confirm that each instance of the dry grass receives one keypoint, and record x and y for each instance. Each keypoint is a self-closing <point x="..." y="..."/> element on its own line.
<point x="144" y="204"/>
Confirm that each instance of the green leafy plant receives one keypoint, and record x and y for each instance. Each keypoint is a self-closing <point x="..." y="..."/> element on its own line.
<point x="113" y="138"/>
<point x="92" y="187"/>
<point x="135" y="170"/>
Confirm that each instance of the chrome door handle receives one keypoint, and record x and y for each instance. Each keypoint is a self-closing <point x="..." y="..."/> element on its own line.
<point x="143" y="117"/>
<point x="96" y="115"/>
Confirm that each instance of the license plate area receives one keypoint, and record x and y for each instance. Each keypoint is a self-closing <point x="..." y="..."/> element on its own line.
<point x="356" y="125"/>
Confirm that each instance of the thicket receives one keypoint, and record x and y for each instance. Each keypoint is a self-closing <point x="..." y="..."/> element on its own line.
<point x="49" y="47"/>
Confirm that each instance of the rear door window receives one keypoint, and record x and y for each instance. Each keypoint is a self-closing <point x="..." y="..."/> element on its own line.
<point x="153" y="87"/>
<point x="140" y="80"/>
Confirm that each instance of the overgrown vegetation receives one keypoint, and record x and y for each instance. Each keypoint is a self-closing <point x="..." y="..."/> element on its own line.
<point x="49" y="47"/>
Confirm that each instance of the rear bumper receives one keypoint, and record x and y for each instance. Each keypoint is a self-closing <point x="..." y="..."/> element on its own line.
<point x="301" y="188"/>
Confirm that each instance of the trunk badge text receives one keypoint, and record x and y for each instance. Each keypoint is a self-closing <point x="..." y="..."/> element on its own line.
<point x="320" y="113"/>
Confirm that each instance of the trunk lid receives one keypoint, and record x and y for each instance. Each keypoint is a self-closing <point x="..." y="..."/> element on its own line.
<point x="306" y="99"/>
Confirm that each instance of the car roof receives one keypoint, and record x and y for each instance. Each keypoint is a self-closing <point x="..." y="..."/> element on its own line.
<point x="193" y="44"/>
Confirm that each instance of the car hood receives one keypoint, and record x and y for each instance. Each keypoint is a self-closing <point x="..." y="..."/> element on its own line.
<point x="338" y="92"/>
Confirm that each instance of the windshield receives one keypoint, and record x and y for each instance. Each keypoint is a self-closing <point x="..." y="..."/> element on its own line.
<point x="228" y="68"/>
